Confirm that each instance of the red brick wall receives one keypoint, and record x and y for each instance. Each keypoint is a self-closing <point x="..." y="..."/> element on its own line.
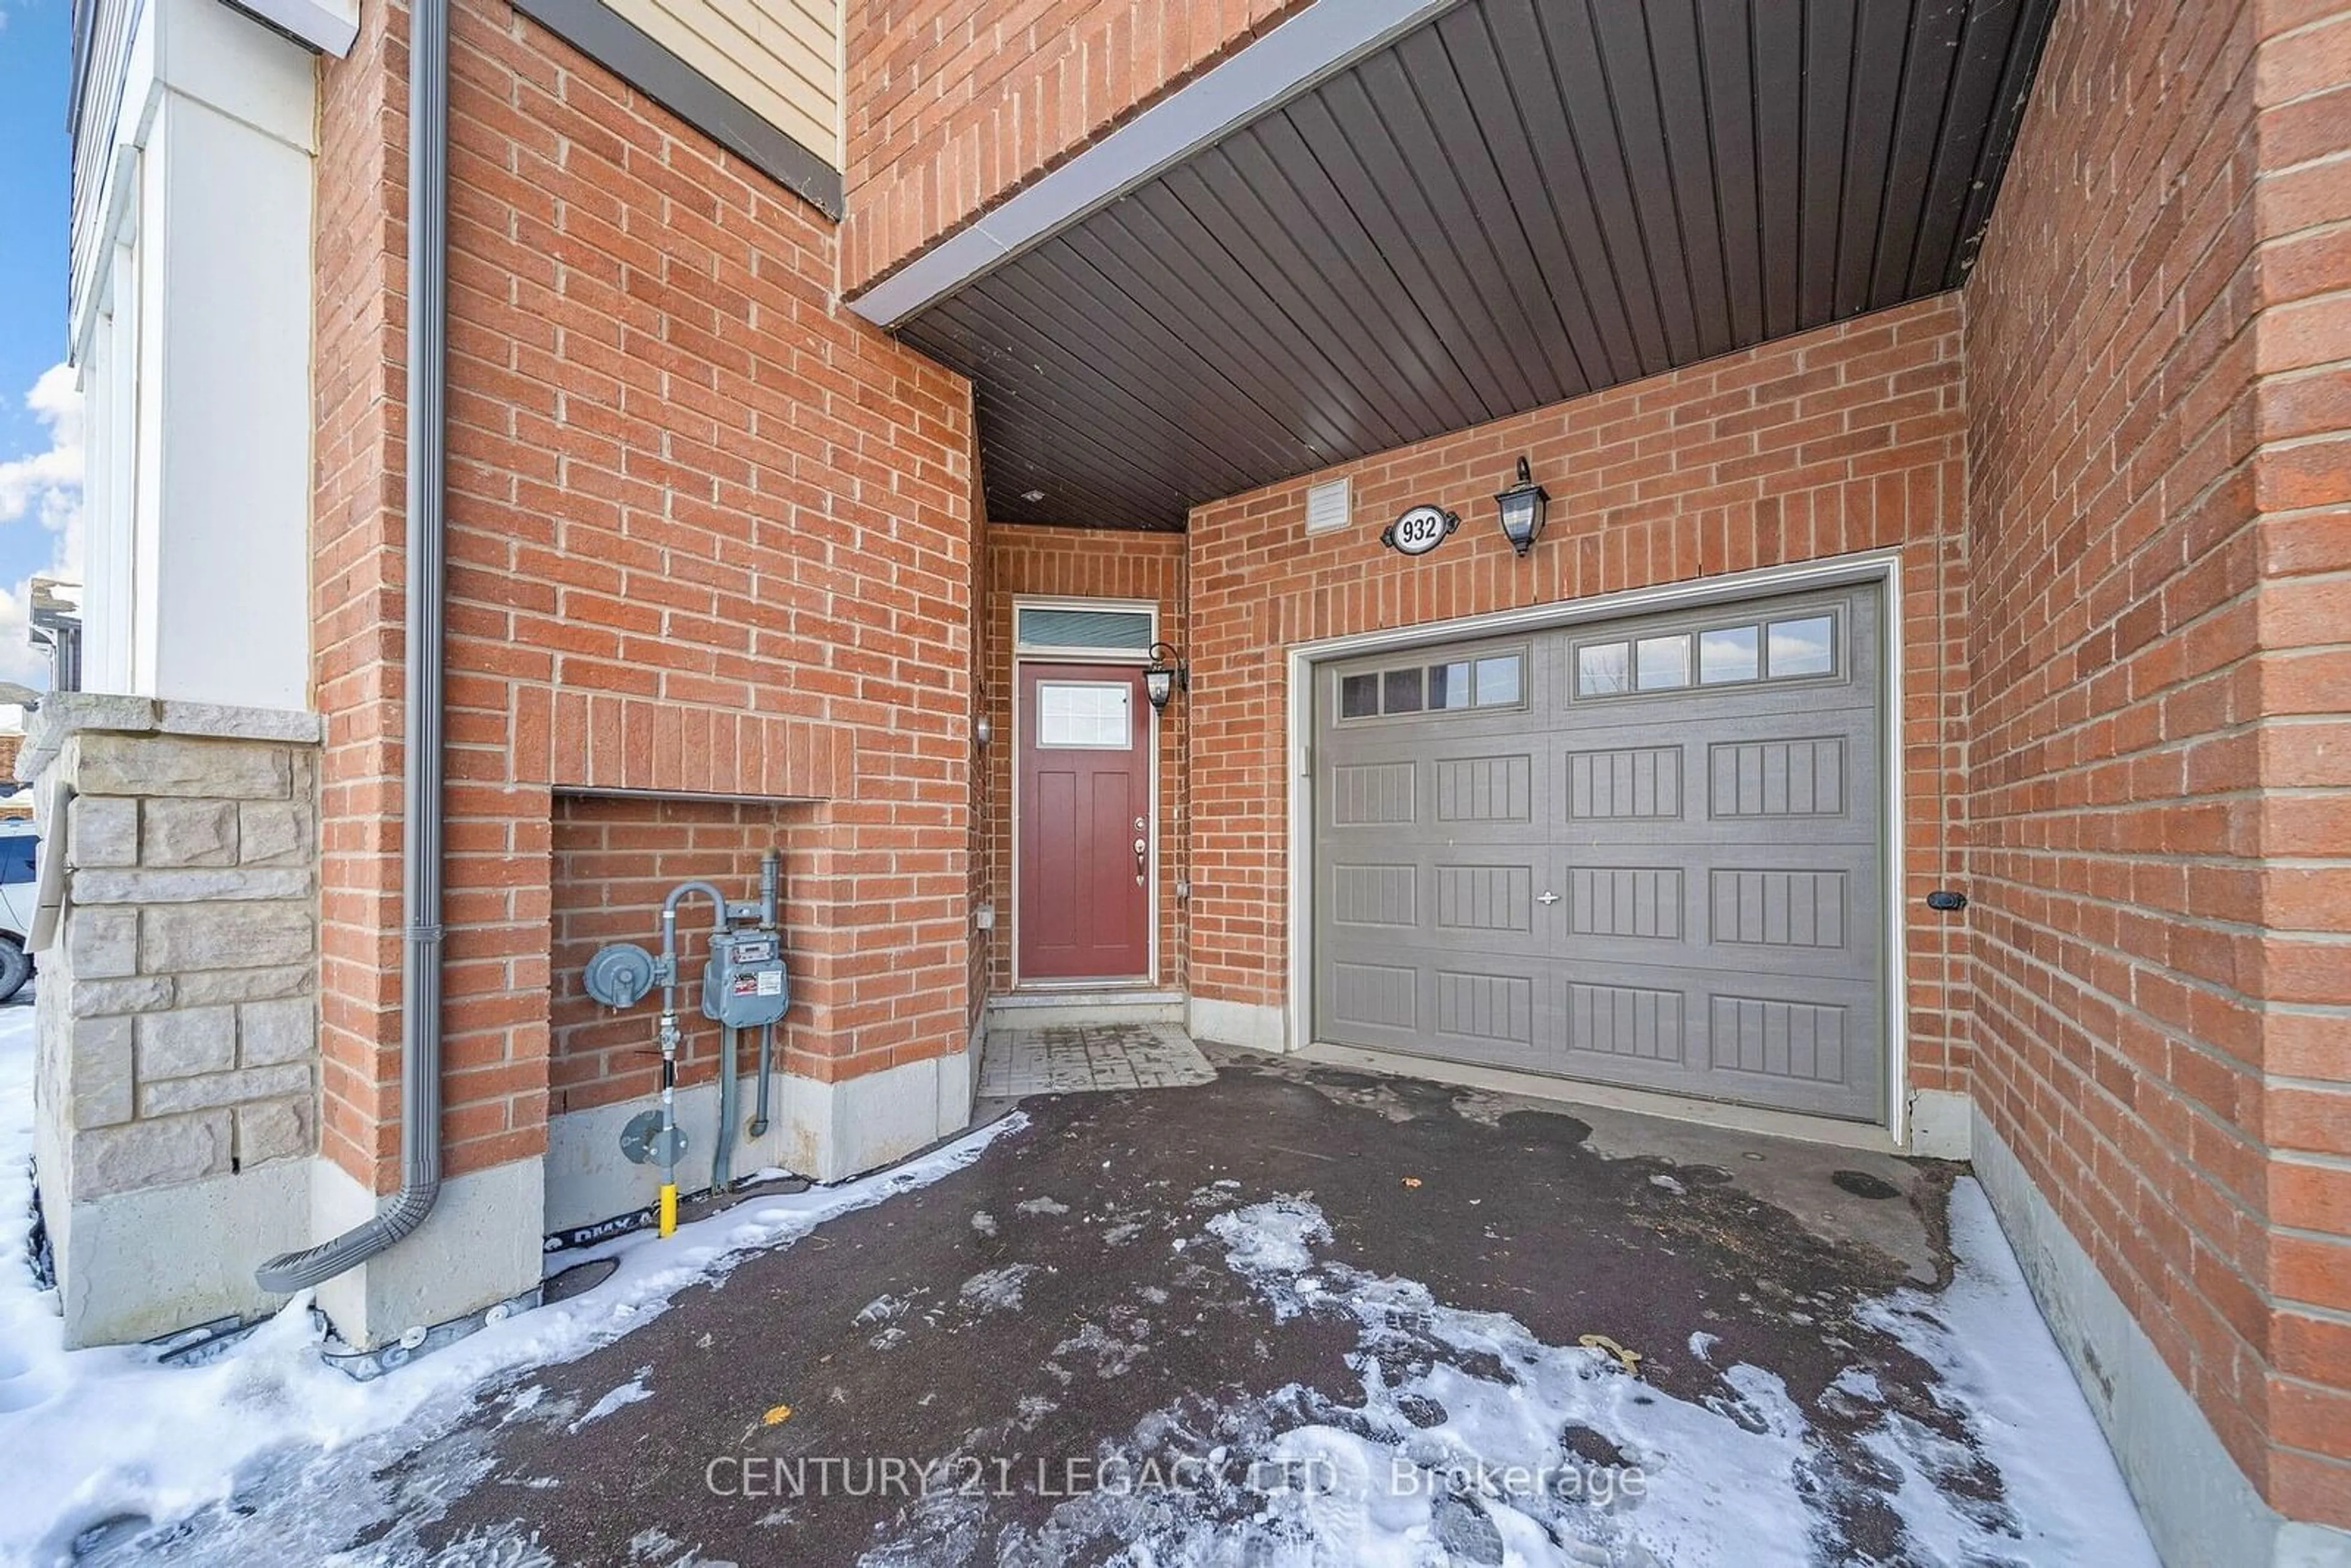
<point x="709" y="533"/>
<point x="1850" y="438"/>
<point x="355" y="589"/>
<point x="951" y="106"/>
<point x="1082" y="563"/>
<point x="615" y="860"/>
<point x="2155" y="332"/>
<point x="2302" y="737"/>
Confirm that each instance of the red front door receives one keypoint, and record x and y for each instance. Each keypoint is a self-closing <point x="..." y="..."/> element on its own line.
<point x="1084" y="909"/>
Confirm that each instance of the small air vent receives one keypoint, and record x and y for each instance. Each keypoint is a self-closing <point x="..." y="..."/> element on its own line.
<point x="1328" y="505"/>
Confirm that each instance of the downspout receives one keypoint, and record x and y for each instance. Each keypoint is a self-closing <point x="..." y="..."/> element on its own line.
<point x="421" y="767"/>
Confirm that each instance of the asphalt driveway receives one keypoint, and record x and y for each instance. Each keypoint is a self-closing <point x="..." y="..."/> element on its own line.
<point x="1296" y="1314"/>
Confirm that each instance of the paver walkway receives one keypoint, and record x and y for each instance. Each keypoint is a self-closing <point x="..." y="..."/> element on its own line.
<point x="1071" y="1058"/>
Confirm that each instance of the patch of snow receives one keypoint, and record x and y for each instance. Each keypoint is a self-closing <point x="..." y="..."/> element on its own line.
<point x="647" y="1544"/>
<point x="880" y="1310"/>
<point x="1272" y="1238"/>
<point x="629" y="1393"/>
<point x="1859" y="1383"/>
<point x="1113" y="1356"/>
<point x="1994" y="1353"/>
<point x="984" y="1222"/>
<point x="1475" y="1441"/>
<point x="481" y="1547"/>
<point x="112" y="1432"/>
<point x="996" y="1289"/>
<point x="1042" y="1206"/>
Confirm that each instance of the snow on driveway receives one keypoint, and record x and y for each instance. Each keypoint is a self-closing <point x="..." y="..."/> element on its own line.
<point x="1447" y="1464"/>
<point x="1450" y="1450"/>
<point x="1450" y="1435"/>
<point x="89" y="1438"/>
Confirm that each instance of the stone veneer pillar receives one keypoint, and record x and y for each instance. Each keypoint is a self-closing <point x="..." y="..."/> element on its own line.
<point x="176" y="1093"/>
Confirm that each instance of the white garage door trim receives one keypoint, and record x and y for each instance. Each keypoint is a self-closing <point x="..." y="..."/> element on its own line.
<point x="1882" y="568"/>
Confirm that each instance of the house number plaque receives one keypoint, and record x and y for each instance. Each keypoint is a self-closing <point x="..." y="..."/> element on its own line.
<point x="1420" y="530"/>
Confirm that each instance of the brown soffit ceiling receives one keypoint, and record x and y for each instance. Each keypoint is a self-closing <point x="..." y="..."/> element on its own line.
<point x="1514" y="203"/>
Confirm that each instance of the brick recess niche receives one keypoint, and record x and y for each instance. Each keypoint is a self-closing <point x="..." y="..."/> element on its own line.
<point x="179" y="1089"/>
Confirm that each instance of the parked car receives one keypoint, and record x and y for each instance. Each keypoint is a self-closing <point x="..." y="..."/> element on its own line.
<point x="20" y="850"/>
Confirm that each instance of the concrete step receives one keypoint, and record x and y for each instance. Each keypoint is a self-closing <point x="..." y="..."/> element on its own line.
<point x="1044" y="1008"/>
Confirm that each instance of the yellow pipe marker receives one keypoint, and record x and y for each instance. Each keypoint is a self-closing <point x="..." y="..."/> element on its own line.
<point x="668" y="1209"/>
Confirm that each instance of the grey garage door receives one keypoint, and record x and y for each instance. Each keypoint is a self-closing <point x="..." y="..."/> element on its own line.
<point x="1645" y="852"/>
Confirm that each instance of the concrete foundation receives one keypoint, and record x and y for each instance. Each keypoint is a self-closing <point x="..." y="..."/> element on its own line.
<point x="2198" y="1506"/>
<point x="826" y="1132"/>
<point x="1943" y="1124"/>
<point x="1252" y="1026"/>
<point x="138" y="1265"/>
<point x="479" y="1246"/>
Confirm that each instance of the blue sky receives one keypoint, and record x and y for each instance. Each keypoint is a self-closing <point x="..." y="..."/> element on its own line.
<point x="35" y="50"/>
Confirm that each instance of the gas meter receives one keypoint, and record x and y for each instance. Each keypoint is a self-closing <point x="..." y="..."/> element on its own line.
<point x="743" y="984"/>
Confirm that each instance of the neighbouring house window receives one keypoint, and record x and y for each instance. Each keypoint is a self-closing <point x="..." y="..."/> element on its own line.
<point x="1087" y="715"/>
<point x="1077" y="629"/>
<point x="1452" y="685"/>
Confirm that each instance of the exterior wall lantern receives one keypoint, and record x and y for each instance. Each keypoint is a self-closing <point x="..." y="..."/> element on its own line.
<point x="1522" y="506"/>
<point x="1165" y="675"/>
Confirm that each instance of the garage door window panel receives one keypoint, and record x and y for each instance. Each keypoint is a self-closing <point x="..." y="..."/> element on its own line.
<point x="1486" y="684"/>
<point x="1805" y="647"/>
<point x="1793" y="648"/>
<point x="1661" y="664"/>
<point x="1728" y="655"/>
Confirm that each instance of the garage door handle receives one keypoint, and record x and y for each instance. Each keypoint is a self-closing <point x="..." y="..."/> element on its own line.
<point x="1548" y="898"/>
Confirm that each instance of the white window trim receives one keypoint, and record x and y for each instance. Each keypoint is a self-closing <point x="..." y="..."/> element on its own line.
<point x="1058" y="654"/>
